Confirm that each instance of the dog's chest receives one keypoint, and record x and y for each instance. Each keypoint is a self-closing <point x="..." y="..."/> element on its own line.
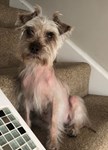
<point x="40" y="81"/>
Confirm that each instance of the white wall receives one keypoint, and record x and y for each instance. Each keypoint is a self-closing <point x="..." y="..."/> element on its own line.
<point x="88" y="17"/>
<point x="17" y="4"/>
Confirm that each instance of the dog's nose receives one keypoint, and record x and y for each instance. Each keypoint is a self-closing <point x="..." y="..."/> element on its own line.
<point x="35" y="47"/>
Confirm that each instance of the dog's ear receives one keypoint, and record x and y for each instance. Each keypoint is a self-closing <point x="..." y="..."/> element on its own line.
<point x="24" y="17"/>
<point x="62" y="27"/>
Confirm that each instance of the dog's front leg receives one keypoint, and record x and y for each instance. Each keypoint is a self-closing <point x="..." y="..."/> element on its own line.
<point x="24" y="108"/>
<point x="54" y="129"/>
<point x="27" y="114"/>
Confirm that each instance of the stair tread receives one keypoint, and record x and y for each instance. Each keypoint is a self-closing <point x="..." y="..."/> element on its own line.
<point x="8" y="16"/>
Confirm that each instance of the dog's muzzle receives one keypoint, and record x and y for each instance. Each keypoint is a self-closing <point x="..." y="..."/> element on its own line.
<point x="35" y="47"/>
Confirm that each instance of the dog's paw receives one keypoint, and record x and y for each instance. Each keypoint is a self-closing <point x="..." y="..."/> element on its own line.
<point x="28" y="123"/>
<point x="71" y="132"/>
<point x="52" y="146"/>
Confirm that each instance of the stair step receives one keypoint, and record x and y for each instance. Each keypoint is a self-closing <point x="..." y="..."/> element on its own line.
<point x="87" y="140"/>
<point x="4" y="2"/>
<point x="8" y="16"/>
<point x="97" y="107"/>
<point x="9" y="38"/>
<point x="76" y="75"/>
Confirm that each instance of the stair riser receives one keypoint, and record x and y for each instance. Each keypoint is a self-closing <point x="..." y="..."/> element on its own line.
<point x="8" y="16"/>
<point x="76" y="75"/>
<point x="8" y="47"/>
<point x="4" y="2"/>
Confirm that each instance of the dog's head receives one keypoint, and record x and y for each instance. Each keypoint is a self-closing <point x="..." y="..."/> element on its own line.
<point x="41" y="38"/>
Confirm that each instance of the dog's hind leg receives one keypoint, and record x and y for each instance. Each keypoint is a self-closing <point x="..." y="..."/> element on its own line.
<point x="78" y="115"/>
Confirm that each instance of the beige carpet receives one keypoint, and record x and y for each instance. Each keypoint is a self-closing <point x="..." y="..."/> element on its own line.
<point x="4" y="2"/>
<point x="76" y="75"/>
<point x="8" y="47"/>
<point x="8" y="16"/>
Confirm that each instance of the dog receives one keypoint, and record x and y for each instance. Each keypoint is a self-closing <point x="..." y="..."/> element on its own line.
<point x="40" y="40"/>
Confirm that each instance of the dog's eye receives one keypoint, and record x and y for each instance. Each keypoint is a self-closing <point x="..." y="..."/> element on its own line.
<point x="50" y="35"/>
<point x="29" y="32"/>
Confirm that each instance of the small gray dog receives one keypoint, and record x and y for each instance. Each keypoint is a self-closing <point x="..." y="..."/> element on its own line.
<point x="39" y="43"/>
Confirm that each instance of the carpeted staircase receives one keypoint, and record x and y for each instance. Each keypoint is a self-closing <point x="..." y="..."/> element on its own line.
<point x="75" y="74"/>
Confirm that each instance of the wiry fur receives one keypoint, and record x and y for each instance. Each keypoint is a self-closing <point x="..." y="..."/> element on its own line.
<point x="40" y="40"/>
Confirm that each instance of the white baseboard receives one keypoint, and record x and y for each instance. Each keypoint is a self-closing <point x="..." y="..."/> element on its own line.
<point x="21" y="4"/>
<point x="92" y="62"/>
